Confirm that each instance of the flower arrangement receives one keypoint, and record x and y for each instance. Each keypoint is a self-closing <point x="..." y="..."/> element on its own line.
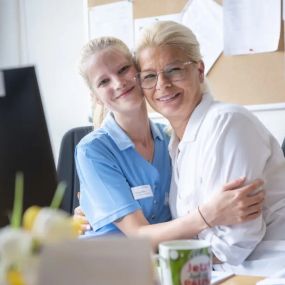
<point x="22" y="240"/>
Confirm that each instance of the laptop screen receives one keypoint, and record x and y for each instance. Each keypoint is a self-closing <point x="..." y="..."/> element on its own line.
<point x="24" y="142"/>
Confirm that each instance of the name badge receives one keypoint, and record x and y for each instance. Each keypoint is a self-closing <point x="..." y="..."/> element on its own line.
<point x="141" y="192"/>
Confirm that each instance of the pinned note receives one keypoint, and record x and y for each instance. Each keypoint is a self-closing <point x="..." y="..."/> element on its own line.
<point x="113" y="19"/>
<point x="251" y="26"/>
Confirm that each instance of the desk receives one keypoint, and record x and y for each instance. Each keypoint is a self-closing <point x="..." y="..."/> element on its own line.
<point x="242" y="280"/>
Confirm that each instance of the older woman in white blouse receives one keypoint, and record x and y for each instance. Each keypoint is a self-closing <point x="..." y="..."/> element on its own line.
<point x="212" y="143"/>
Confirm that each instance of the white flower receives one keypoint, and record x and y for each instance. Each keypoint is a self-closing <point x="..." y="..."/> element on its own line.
<point x="15" y="246"/>
<point x="53" y="225"/>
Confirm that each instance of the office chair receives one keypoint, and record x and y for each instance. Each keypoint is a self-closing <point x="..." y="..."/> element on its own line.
<point x="66" y="169"/>
<point x="283" y="146"/>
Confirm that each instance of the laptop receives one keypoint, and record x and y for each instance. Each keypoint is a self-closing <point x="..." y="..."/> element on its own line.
<point x="24" y="142"/>
<point x="101" y="261"/>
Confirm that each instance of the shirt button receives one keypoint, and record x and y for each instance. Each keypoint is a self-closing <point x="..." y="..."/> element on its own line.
<point x="153" y="217"/>
<point x="154" y="202"/>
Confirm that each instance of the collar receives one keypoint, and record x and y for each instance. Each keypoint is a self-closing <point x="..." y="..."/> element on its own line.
<point x="119" y="136"/>
<point x="196" y="118"/>
<point x="193" y="124"/>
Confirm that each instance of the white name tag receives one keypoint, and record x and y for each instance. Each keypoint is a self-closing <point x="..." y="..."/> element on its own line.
<point x="141" y="192"/>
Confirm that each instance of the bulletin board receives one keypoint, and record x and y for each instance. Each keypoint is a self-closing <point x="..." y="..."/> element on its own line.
<point x="244" y="79"/>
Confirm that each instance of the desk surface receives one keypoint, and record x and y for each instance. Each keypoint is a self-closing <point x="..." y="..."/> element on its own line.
<point x="242" y="280"/>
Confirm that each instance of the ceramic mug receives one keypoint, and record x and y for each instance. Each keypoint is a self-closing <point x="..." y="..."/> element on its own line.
<point x="185" y="262"/>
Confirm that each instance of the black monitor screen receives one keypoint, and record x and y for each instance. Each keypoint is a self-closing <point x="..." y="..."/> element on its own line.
<point x="24" y="142"/>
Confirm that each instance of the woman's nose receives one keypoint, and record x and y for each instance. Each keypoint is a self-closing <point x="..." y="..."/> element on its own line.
<point x="119" y="83"/>
<point x="162" y="81"/>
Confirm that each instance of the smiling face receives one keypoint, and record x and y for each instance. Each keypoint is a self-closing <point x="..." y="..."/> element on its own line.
<point x="175" y="100"/>
<point x="112" y="76"/>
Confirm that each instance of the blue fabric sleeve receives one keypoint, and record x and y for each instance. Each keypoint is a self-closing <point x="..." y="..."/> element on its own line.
<point x="105" y="193"/>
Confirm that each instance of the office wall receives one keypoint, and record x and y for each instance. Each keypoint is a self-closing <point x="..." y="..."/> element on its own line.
<point x="9" y="33"/>
<point x="50" y="36"/>
<point x="274" y="120"/>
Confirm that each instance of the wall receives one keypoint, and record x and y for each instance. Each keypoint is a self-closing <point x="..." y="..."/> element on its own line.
<point x="9" y="33"/>
<point x="50" y="36"/>
<point x="274" y="120"/>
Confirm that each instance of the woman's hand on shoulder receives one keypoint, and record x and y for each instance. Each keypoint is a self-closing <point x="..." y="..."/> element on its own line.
<point x="235" y="204"/>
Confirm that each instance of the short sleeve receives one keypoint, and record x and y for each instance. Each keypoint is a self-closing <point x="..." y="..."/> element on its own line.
<point x="105" y="193"/>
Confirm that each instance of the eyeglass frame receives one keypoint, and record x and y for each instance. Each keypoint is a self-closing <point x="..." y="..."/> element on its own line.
<point x="138" y="77"/>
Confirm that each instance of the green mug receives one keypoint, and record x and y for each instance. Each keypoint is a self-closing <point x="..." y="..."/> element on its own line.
<point x="185" y="262"/>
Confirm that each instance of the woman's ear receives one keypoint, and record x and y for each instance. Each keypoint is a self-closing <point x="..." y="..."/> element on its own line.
<point x="201" y="69"/>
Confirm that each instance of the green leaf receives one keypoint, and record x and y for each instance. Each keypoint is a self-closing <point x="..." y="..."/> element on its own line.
<point x="58" y="195"/>
<point x="18" y="201"/>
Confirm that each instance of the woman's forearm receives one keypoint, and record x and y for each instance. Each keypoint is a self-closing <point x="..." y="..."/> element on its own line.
<point x="182" y="228"/>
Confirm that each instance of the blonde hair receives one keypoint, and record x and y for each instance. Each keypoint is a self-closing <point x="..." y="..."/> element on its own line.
<point x="91" y="48"/>
<point x="169" y="33"/>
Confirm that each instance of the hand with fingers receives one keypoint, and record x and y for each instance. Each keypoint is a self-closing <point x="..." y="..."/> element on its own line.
<point x="80" y="217"/>
<point x="235" y="204"/>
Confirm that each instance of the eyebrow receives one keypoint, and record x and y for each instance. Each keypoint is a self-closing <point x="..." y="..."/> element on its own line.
<point x="105" y="76"/>
<point x="168" y="64"/>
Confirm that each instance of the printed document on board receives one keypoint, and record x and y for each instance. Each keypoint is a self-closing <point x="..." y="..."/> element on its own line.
<point x="114" y="19"/>
<point x="251" y="26"/>
<point x="205" y="19"/>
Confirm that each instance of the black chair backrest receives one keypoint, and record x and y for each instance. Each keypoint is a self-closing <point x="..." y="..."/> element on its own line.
<point x="283" y="146"/>
<point x="66" y="169"/>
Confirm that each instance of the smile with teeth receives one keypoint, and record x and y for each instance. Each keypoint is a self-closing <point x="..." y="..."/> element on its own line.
<point x="168" y="97"/>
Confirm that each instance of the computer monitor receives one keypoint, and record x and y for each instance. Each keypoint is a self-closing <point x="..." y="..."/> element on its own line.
<point x="24" y="142"/>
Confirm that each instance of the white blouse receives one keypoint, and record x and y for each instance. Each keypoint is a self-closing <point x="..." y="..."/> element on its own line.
<point x="223" y="142"/>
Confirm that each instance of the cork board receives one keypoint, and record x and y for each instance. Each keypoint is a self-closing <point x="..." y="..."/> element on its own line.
<point x="246" y="79"/>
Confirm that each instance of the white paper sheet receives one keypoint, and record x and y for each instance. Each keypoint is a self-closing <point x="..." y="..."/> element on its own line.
<point x="119" y="261"/>
<point x="141" y="23"/>
<point x="115" y="19"/>
<point x="218" y="276"/>
<point x="2" y="85"/>
<point x="276" y="279"/>
<point x="251" y="26"/>
<point x="205" y="19"/>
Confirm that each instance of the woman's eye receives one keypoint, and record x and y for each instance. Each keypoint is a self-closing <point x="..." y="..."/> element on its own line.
<point x="103" y="82"/>
<point x="124" y="69"/>
<point x="173" y="70"/>
<point x="149" y="76"/>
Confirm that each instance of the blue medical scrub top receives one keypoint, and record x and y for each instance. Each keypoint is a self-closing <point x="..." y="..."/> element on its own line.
<point x="109" y="167"/>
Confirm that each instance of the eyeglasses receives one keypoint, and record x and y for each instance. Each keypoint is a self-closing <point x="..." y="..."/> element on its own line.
<point x="173" y="72"/>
